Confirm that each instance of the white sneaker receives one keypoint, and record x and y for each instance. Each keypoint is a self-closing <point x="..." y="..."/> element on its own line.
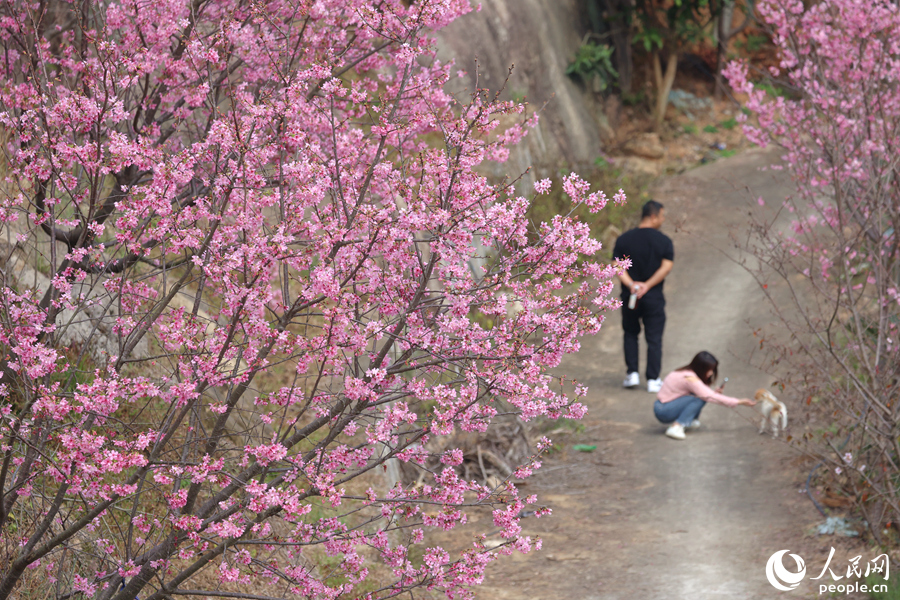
<point x="654" y="385"/>
<point x="675" y="431"/>
<point x="695" y="424"/>
<point x="632" y="380"/>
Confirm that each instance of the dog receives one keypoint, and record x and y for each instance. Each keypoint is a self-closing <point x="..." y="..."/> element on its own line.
<point x="774" y="412"/>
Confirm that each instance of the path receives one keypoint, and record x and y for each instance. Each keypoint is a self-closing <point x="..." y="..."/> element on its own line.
<point x="652" y="518"/>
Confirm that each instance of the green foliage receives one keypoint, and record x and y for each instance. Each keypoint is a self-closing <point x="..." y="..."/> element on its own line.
<point x="770" y="89"/>
<point x="893" y="588"/>
<point x="592" y="61"/>
<point x="576" y="426"/>
<point x="690" y="129"/>
<point x="690" y="31"/>
<point x="711" y="129"/>
<point x="726" y="153"/>
<point x="673" y="24"/>
<point x="554" y="448"/>
<point x="634" y="99"/>
<point x="753" y="43"/>
<point x="80" y="369"/>
<point x="650" y="39"/>
<point x="729" y="124"/>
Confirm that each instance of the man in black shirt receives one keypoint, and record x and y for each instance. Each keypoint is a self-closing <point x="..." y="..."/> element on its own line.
<point x="652" y="255"/>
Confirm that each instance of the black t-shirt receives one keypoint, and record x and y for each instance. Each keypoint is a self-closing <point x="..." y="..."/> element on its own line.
<point x="646" y="247"/>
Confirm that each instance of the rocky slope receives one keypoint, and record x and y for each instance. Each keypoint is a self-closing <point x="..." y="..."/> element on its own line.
<point x="539" y="38"/>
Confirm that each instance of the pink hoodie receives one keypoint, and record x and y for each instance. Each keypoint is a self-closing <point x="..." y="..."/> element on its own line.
<point x="686" y="383"/>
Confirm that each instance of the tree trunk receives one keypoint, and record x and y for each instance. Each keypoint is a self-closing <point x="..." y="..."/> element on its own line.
<point x="657" y="71"/>
<point x="724" y="34"/>
<point x="609" y="19"/>
<point x="663" y="85"/>
<point x="624" y="61"/>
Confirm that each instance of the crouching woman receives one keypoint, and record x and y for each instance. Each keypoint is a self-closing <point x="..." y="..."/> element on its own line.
<point x="686" y="391"/>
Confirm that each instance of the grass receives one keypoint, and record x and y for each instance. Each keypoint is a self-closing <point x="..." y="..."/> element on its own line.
<point x="602" y="162"/>
<point x="634" y="98"/>
<point x="893" y="588"/>
<point x="729" y="124"/>
<point x="753" y="43"/>
<point x="771" y="89"/>
<point x="576" y="426"/>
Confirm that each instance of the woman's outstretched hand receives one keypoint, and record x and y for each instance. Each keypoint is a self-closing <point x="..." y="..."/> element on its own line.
<point x="747" y="402"/>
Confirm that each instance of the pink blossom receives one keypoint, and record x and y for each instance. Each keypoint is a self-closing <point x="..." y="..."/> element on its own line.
<point x="834" y="130"/>
<point x="542" y="186"/>
<point x="279" y="269"/>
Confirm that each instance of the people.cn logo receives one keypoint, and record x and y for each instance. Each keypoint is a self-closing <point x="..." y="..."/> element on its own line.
<point x="776" y="573"/>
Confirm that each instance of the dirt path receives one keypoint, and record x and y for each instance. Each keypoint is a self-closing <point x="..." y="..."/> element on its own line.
<point x="645" y="516"/>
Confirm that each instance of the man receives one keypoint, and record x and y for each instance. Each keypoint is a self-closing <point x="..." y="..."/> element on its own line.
<point x="652" y="255"/>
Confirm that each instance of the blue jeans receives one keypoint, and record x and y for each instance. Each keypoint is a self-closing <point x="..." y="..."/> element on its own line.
<point x="684" y="410"/>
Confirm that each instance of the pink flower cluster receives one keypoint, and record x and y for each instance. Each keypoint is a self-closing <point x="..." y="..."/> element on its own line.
<point x="260" y="270"/>
<point x="844" y="58"/>
<point x="838" y="125"/>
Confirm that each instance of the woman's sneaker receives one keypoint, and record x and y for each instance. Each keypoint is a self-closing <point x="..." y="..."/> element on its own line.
<point x="654" y="385"/>
<point x="695" y="424"/>
<point x="675" y="431"/>
<point x="632" y="380"/>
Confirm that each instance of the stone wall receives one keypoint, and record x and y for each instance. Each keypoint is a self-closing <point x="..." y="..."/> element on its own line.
<point x="538" y="37"/>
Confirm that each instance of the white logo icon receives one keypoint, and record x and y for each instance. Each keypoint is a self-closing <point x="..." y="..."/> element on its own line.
<point x="776" y="573"/>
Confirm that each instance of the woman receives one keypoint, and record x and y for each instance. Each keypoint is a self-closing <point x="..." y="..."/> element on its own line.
<point x="686" y="391"/>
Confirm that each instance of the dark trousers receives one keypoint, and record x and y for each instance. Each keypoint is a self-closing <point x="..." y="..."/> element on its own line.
<point x="652" y="311"/>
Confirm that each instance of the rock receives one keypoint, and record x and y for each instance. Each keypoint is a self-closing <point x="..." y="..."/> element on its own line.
<point x="604" y="129"/>
<point x="690" y="104"/>
<point x="612" y="108"/>
<point x="646" y="145"/>
<point x="513" y="308"/>
<point x="708" y="157"/>
<point x="91" y="325"/>
<point x="836" y="526"/>
<point x="565" y="556"/>
<point x="539" y="37"/>
<point x="639" y="166"/>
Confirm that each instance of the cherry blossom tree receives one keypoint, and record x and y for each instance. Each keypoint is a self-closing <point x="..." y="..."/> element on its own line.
<point x="838" y="299"/>
<point x="250" y="263"/>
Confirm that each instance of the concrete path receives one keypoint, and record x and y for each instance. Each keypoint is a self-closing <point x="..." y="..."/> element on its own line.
<point x="646" y="517"/>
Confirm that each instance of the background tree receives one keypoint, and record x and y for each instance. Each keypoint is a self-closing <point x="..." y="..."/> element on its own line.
<point x="725" y="31"/>
<point x="612" y="20"/>
<point x="838" y="301"/>
<point x="242" y="275"/>
<point x="665" y="29"/>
